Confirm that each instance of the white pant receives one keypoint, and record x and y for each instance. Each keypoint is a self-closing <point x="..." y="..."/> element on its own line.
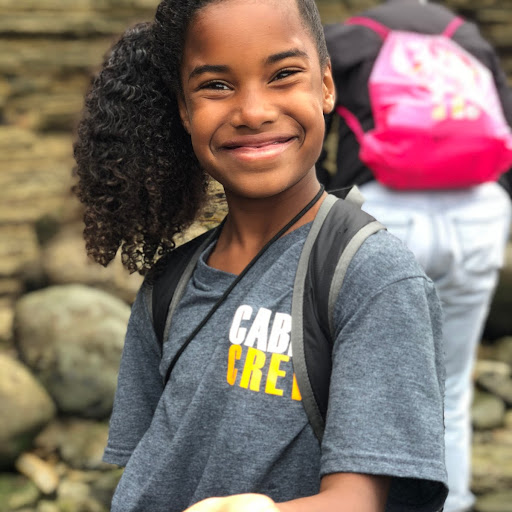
<point x="459" y="239"/>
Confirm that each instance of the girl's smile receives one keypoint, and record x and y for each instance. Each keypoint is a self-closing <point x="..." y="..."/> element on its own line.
<point x="258" y="147"/>
<point x="254" y="96"/>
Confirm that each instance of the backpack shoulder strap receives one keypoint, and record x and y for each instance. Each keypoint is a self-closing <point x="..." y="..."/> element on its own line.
<point x="172" y="278"/>
<point x="338" y="231"/>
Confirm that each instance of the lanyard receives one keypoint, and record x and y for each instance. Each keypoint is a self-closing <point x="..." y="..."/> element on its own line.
<point x="214" y="308"/>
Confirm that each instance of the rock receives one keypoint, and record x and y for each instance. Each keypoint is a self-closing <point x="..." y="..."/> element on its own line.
<point x="68" y="23"/>
<point x="79" y="5"/>
<point x="45" y="112"/>
<point x="102" y="488"/>
<point x="489" y="367"/>
<point x="503" y="350"/>
<point x="47" y="506"/>
<point x="491" y="467"/>
<point x="502" y="435"/>
<point x="6" y="319"/>
<point x="43" y="55"/>
<point x="488" y="411"/>
<point x="38" y="471"/>
<point x="508" y="419"/>
<point x="494" y="502"/>
<point x="80" y="443"/>
<point x="497" y="385"/>
<point x="16" y="491"/>
<point x="5" y="92"/>
<point x="31" y="189"/>
<point x="18" y="247"/>
<point x="20" y="145"/>
<point x="17" y="139"/>
<point x="75" y="496"/>
<point x="26" y="409"/>
<point x="65" y="261"/>
<point x="72" y="337"/>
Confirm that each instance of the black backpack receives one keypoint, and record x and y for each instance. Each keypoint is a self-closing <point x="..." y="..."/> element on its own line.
<point x="339" y="229"/>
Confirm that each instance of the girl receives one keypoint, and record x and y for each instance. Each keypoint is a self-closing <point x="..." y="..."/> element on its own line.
<point x="237" y="90"/>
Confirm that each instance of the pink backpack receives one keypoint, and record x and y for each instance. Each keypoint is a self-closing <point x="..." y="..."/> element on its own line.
<point x="438" y="118"/>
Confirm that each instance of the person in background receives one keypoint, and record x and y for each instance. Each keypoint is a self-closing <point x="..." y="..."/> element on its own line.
<point x="458" y="236"/>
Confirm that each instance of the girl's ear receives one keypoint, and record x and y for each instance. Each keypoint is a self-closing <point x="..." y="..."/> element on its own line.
<point x="329" y="91"/>
<point x="182" y="106"/>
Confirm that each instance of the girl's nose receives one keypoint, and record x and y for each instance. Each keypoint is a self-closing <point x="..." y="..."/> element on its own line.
<point x="254" y="108"/>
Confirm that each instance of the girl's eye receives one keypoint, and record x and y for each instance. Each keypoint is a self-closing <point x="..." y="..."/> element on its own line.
<point x="215" y="86"/>
<point x="285" y="73"/>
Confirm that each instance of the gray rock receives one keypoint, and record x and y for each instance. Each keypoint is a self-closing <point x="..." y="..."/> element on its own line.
<point x="498" y="385"/>
<point x="503" y="349"/>
<point x="72" y="338"/>
<point x="16" y="492"/>
<point x="47" y="506"/>
<point x="80" y="443"/>
<point x="26" y="409"/>
<point x="491" y="468"/>
<point x="488" y="411"/>
<point x="18" y="247"/>
<point x="41" y="472"/>
<point x="65" y="262"/>
<point x="508" y="420"/>
<point x="102" y="489"/>
<point x="490" y="367"/>
<point x="495" y="502"/>
<point x="75" y="497"/>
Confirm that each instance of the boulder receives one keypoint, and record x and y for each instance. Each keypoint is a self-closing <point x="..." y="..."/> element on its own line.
<point x="485" y="367"/>
<point x="65" y="262"/>
<point x="16" y="492"/>
<point x="498" y="385"/>
<point x="45" y="112"/>
<point x="6" y="319"/>
<point x="18" y="248"/>
<point x="79" y="443"/>
<point x="26" y="409"/>
<point x="491" y="468"/>
<point x="40" y="472"/>
<point x="103" y="487"/>
<point x="75" y="497"/>
<point x="72" y="336"/>
<point x="488" y="411"/>
<point x="494" y="502"/>
<point x="503" y="350"/>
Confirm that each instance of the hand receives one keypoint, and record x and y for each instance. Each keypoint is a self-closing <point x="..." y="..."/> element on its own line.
<point x="236" y="503"/>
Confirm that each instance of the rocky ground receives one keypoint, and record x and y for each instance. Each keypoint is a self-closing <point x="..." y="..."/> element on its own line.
<point x="57" y="380"/>
<point x="62" y="319"/>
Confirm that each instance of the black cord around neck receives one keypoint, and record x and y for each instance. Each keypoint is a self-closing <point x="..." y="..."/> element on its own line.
<point x="214" y="308"/>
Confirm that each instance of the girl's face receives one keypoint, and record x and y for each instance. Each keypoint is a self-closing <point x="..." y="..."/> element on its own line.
<point x="254" y="95"/>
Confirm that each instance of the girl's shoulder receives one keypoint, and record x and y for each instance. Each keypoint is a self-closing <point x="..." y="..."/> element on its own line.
<point x="383" y="265"/>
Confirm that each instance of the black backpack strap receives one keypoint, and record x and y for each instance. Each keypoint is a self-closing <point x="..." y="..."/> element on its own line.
<point x="169" y="285"/>
<point x="338" y="230"/>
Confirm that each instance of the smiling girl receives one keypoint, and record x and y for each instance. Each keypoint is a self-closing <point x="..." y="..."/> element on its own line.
<point x="237" y="90"/>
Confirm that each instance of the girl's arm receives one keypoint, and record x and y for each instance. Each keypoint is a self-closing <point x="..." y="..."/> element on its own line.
<point x="344" y="492"/>
<point x="339" y="492"/>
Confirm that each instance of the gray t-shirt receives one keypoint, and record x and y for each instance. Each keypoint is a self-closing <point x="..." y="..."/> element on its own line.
<point x="230" y="419"/>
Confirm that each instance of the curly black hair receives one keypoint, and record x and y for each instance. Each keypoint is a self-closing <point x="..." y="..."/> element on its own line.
<point x="138" y="177"/>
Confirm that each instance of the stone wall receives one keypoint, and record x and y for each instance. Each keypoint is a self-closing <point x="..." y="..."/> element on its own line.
<point x="47" y="52"/>
<point x="48" y="49"/>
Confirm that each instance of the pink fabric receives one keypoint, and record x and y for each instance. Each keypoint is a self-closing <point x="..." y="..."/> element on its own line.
<point x="377" y="27"/>
<point x="452" y="27"/>
<point x="438" y="118"/>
